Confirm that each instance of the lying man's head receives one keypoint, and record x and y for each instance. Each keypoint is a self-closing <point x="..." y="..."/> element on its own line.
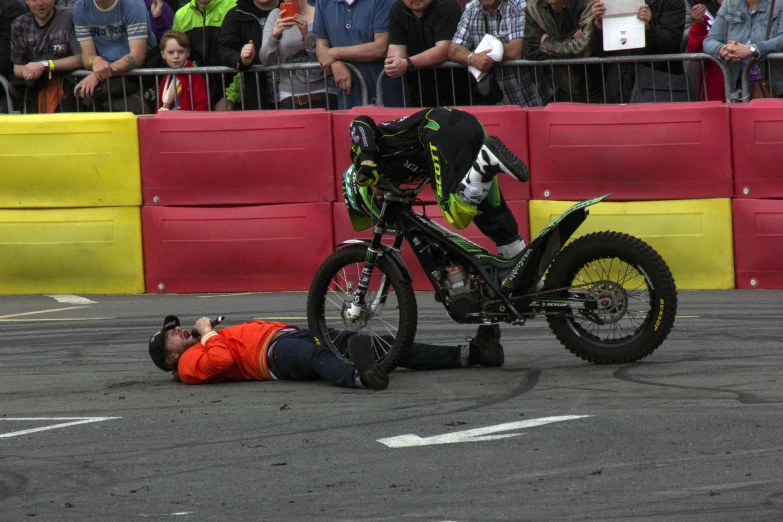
<point x="170" y="343"/>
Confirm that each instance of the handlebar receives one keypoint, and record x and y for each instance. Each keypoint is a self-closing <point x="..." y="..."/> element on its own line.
<point x="395" y="191"/>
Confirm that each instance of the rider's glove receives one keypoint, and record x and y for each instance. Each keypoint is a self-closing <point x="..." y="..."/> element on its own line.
<point x="367" y="174"/>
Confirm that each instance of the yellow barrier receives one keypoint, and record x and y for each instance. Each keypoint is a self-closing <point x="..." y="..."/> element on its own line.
<point x="69" y="160"/>
<point x="693" y="236"/>
<point x="71" y="251"/>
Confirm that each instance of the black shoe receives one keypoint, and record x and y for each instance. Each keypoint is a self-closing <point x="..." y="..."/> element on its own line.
<point x="485" y="348"/>
<point x="495" y="158"/>
<point x="363" y="358"/>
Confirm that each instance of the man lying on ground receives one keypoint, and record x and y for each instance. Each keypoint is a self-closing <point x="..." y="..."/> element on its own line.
<point x="265" y="351"/>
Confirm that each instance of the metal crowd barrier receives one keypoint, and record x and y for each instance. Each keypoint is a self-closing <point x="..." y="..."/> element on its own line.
<point x="7" y="90"/>
<point x="216" y="77"/>
<point x="662" y="95"/>
<point x="765" y="63"/>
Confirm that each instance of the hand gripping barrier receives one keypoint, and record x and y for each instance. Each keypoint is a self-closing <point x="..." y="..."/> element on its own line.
<point x="756" y="140"/>
<point x="253" y="158"/>
<point x="758" y="251"/>
<point x="343" y="231"/>
<point x="508" y="123"/>
<point x="238" y="249"/>
<point x="662" y="151"/>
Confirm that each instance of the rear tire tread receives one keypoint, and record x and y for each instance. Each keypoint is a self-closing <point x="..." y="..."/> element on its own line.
<point x="609" y="244"/>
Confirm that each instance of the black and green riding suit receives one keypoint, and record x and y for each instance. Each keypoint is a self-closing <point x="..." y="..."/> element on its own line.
<point x="442" y="144"/>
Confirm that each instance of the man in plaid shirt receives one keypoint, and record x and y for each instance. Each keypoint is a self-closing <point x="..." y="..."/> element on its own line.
<point x="504" y="19"/>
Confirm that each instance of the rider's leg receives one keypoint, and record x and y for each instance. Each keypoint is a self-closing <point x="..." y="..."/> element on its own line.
<point x="496" y="221"/>
<point x="453" y="139"/>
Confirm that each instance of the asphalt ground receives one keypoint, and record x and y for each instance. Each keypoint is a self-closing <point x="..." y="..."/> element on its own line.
<point x="691" y="433"/>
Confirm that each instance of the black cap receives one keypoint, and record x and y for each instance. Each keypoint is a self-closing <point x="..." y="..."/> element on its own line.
<point x="157" y="349"/>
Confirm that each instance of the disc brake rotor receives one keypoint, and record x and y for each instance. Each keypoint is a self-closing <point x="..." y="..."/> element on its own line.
<point x="611" y="300"/>
<point x="358" y="323"/>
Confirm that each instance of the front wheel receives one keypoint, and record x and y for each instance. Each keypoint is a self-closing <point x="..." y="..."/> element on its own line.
<point x="634" y="291"/>
<point x="388" y="316"/>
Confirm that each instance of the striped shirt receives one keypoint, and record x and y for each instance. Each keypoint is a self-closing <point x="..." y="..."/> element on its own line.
<point x="508" y="23"/>
<point x="111" y="29"/>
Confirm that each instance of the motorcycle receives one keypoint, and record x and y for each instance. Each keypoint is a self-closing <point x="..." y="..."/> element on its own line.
<point x="608" y="297"/>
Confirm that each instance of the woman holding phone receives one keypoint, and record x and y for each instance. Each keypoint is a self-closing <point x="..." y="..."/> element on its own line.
<point x="287" y="39"/>
<point x="746" y="29"/>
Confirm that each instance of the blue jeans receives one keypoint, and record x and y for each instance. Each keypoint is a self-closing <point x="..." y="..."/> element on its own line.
<point x="298" y="358"/>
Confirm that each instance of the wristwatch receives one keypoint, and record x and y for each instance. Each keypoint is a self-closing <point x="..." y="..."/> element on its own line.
<point x="45" y="63"/>
<point x="410" y="64"/>
<point x="754" y="51"/>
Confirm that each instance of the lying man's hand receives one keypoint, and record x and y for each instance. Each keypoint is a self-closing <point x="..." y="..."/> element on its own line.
<point x="204" y="326"/>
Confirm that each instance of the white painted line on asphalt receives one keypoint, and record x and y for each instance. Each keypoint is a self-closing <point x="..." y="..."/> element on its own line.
<point x="51" y="310"/>
<point x="177" y="514"/>
<point x="475" y="435"/>
<point x="50" y="319"/>
<point x="72" y="299"/>
<point x="74" y="422"/>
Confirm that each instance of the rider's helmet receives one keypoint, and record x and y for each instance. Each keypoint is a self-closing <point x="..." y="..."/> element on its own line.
<point x="359" y="201"/>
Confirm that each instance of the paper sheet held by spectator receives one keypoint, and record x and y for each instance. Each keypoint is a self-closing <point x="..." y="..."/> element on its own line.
<point x="622" y="29"/>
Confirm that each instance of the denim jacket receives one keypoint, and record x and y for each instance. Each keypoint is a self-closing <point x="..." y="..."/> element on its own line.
<point x="734" y="22"/>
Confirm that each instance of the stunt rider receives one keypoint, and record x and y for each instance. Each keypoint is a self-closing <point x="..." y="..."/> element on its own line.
<point x="449" y="147"/>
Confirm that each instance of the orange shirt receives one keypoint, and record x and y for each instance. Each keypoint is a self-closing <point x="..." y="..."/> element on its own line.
<point x="236" y="353"/>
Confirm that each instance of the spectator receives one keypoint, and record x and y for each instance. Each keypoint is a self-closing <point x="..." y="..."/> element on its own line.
<point x="201" y="21"/>
<point x="161" y="17"/>
<point x="115" y="37"/>
<point x="180" y="92"/>
<point x="664" y="23"/>
<point x="355" y="32"/>
<point x="706" y="77"/>
<point x="504" y="19"/>
<point x="290" y="40"/>
<point x="563" y="29"/>
<point x="240" y="39"/>
<point x="420" y="33"/>
<point x="10" y="10"/>
<point x="740" y="33"/>
<point x="43" y="42"/>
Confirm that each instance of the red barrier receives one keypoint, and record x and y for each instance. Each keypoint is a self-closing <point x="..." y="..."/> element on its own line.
<point x="637" y="152"/>
<point x="758" y="249"/>
<point x="343" y="231"/>
<point x="253" y="158"/>
<point x="241" y="249"/>
<point x="508" y="123"/>
<point x="756" y="141"/>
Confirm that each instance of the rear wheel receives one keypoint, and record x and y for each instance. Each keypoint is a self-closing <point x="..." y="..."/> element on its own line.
<point x="634" y="291"/>
<point x="388" y="316"/>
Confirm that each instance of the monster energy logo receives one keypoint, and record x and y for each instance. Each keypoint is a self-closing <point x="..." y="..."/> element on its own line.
<point x="511" y="279"/>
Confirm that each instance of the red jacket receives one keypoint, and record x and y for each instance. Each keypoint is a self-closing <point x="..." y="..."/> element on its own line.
<point x="236" y="353"/>
<point x="182" y="102"/>
<point x="713" y="76"/>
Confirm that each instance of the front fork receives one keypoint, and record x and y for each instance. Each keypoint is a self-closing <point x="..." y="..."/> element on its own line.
<point x="373" y="252"/>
